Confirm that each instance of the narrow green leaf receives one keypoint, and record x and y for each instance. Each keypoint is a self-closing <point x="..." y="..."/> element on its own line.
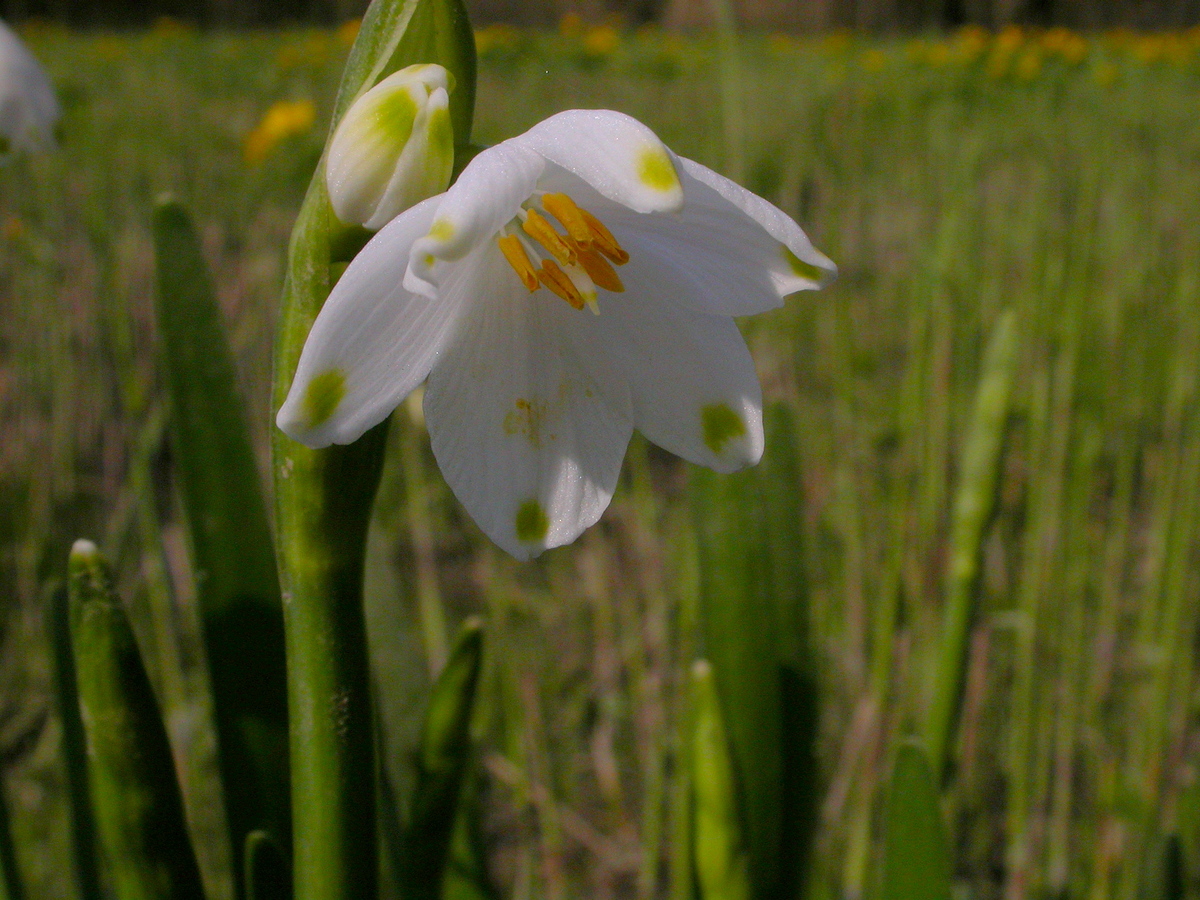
<point x="232" y="548"/>
<point x="754" y="622"/>
<point x="139" y="811"/>
<point x="74" y="750"/>
<point x="442" y="757"/>
<point x="11" y="887"/>
<point x="466" y="876"/>
<point x="916" y="857"/>
<point x="267" y="873"/>
<point x="719" y="848"/>
<point x="974" y="502"/>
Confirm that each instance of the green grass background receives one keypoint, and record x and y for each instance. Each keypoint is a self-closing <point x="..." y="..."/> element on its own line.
<point x="950" y="178"/>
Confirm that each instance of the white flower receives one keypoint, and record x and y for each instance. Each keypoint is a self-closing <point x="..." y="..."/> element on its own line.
<point x="28" y="109"/>
<point x="393" y="148"/>
<point x="531" y="400"/>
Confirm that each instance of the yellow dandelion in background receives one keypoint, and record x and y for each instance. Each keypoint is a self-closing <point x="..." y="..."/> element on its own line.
<point x="1105" y="74"/>
<point x="348" y="31"/>
<point x="285" y="119"/>
<point x="312" y="51"/>
<point x="165" y="26"/>
<point x="873" y="60"/>
<point x="1009" y="39"/>
<point x="498" y="37"/>
<point x="1029" y="66"/>
<point x="1063" y="42"/>
<point x="601" y="40"/>
<point x="13" y="228"/>
<point x="780" y="44"/>
<point x="836" y="41"/>
<point x="570" y="25"/>
<point x="938" y="55"/>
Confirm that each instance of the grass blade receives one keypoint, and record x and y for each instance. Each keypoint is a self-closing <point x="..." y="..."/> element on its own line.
<point x="442" y="757"/>
<point x="232" y="548"/>
<point x="139" y="811"/>
<point x="916" y="856"/>
<point x="74" y="749"/>
<point x="719" y="850"/>
<point x="267" y="874"/>
<point x="973" y="504"/>
<point x="754" y="622"/>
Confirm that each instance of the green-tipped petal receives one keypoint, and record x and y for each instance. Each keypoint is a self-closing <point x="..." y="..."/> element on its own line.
<point x="390" y="151"/>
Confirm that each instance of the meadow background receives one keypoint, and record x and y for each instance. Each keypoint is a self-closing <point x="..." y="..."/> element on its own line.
<point x="952" y="176"/>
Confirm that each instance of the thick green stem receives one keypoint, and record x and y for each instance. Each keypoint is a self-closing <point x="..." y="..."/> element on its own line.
<point x="323" y="501"/>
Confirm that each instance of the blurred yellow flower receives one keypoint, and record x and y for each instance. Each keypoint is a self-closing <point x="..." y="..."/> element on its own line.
<point x="837" y="41"/>
<point x="1009" y="39"/>
<point x="312" y="50"/>
<point x="1066" y="44"/>
<point x="873" y="60"/>
<point x="601" y="40"/>
<point x="496" y="37"/>
<point x="165" y="26"/>
<point x="1105" y="74"/>
<point x="570" y="25"/>
<point x="285" y="119"/>
<point x="1029" y="66"/>
<point x="348" y="31"/>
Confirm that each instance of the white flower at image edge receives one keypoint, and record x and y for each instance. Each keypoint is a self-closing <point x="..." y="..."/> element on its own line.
<point x="28" y="108"/>
<point x="575" y="283"/>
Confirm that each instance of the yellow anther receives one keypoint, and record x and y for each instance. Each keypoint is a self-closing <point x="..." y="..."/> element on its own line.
<point x="539" y="228"/>
<point x="603" y="240"/>
<point x="556" y="279"/>
<point x="564" y="209"/>
<point x="510" y="246"/>
<point x="600" y="271"/>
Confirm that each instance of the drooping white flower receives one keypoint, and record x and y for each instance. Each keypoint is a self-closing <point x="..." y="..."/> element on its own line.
<point x="393" y="148"/>
<point x="28" y="108"/>
<point x="531" y="400"/>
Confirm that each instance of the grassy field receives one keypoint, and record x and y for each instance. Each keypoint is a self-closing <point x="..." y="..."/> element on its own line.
<point x="950" y="177"/>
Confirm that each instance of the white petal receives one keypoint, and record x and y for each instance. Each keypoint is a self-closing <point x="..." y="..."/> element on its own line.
<point x="614" y="153"/>
<point x="692" y="381"/>
<point x="524" y="437"/>
<point x="487" y="195"/>
<point x="372" y="342"/>
<point x="734" y="215"/>
<point x="28" y="108"/>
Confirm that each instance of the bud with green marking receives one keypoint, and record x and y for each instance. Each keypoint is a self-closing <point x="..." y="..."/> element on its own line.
<point x="393" y="148"/>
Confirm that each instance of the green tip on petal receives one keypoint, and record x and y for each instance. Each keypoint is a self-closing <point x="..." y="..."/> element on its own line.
<point x="532" y="522"/>
<point x="395" y="115"/>
<point x="441" y="230"/>
<point x="655" y="170"/>
<point x="801" y="269"/>
<point x="322" y="396"/>
<point x="721" y="425"/>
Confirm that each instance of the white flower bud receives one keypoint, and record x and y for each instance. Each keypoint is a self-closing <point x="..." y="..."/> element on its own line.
<point x="28" y="109"/>
<point x="393" y="148"/>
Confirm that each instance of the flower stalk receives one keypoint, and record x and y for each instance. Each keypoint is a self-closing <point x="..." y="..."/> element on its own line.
<point x="323" y="502"/>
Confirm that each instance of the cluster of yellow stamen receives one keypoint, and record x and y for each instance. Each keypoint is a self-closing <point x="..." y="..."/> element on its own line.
<point x="579" y="261"/>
